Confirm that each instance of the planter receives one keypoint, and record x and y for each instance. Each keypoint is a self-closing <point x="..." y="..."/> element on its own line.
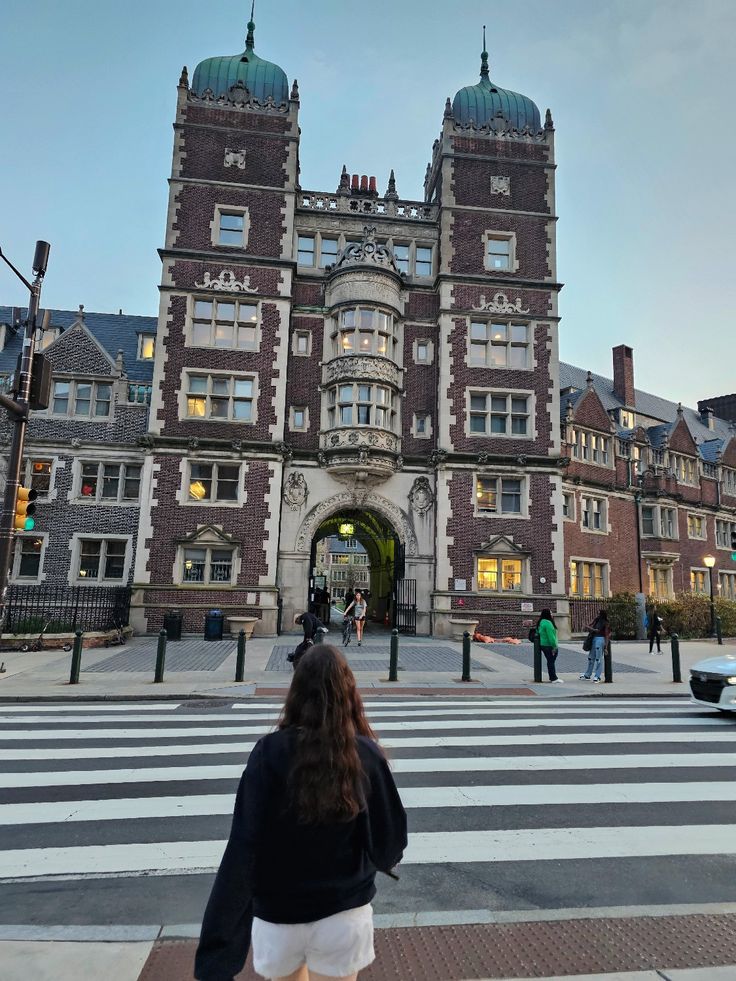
<point x="247" y="624"/>
<point x="458" y="627"/>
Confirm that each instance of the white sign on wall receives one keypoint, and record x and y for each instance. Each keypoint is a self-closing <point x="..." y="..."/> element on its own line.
<point x="461" y="584"/>
<point x="527" y="607"/>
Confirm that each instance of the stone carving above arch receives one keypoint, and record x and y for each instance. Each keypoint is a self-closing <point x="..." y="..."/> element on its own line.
<point x="296" y="491"/>
<point x="421" y="496"/>
<point x="371" y="502"/>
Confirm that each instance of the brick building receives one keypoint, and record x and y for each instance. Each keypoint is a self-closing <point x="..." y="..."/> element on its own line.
<point x="324" y="358"/>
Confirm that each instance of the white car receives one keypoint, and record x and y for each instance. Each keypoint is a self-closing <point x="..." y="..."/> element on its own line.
<point x="713" y="682"/>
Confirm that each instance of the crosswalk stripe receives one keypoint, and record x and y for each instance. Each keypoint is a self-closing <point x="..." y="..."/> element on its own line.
<point x="113" y="752"/>
<point x="464" y="764"/>
<point x="75" y="707"/>
<point x="14" y="735"/>
<point x="425" y="848"/>
<point x="429" y="701"/>
<point x="514" y="795"/>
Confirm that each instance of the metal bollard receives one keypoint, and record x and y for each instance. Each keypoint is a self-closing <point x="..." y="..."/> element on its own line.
<point x="719" y="631"/>
<point x="537" y="659"/>
<point x="675" y="645"/>
<point x="393" y="664"/>
<point x="240" y="661"/>
<point x="607" y="664"/>
<point x="160" y="658"/>
<point x="466" y="657"/>
<point x="76" y="658"/>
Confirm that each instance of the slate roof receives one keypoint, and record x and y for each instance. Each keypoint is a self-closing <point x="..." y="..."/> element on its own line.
<point x="337" y="547"/>
<point x="114" y="331"/>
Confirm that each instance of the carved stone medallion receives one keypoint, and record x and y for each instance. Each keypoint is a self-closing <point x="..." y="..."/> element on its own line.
<point x="296" y="491"/>
<point x="421" y="497"/>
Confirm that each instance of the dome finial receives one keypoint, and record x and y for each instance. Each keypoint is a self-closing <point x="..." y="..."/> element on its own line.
<point x="250" y="39"/>
<point x="484" y="57"/>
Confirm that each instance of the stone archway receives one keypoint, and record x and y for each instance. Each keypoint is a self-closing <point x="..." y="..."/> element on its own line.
<point x="369" y="502"/>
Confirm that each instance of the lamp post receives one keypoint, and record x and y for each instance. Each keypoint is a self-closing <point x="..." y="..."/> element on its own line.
<point x="18" y="410"/>
<point x="709" y="561"/>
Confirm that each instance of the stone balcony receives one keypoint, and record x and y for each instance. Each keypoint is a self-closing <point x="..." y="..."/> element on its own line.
<point x="362" y="367"/>
<point x="361" y="452"/>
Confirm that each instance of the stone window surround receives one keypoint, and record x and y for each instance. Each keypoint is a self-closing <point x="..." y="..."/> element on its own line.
<point x="344" y="239"/>
<point x="75" y="495"/>
<point x="334" y="328"/>
<point x="73" y="381"/>
<point x="498" y="475"/>
<point x="238" y="299"/>
<point x="604" y="563"/>
<point x="687" y="462"/>
<point x="730" y="522"/>
<point x="705" y="591"/>
<point x="725" y="577"/>
<point x="500" y="236"/>
<point x="75" y="550"/>
<point x="704" y="519"/>
<point x="658" y="508"/>
<point x="206" y="541"/>
<point x="500" y="556"/>
<point x="430" y="350"/>
<point x="229" y="209"/>
<point x="573" y="501"/>
<point x="26" y="476"/>
<point x="576" y="447"/>
<point x="604" y="529"/>
<point x="428" y="430"/>
<point x="514" y="392"/>
<point x="182" y="496"/>
<point x="301" y="332"/>
<point x="331" y="409"/>
<point x="488" y="320"/>
<point x="15" y="566"/>
<point x="658" y="565"/>
<point x="292" y="425"/>
<point x="183" y="415"/>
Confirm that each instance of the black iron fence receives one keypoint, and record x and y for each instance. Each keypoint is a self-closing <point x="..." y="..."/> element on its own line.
<point x="64" y="609"/>
<point x="583" y="612"/>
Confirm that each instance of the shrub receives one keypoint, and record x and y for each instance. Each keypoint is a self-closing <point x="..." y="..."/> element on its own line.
<point x="689" y="615"/>
<point x="621" y="609"/>
<point x="726" y="610"/>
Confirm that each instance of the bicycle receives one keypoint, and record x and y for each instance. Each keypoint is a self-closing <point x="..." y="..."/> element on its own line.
<point x="347" y="630"/>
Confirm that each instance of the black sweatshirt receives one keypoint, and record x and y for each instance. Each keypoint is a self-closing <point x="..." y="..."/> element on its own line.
<point x="287" y="872"/>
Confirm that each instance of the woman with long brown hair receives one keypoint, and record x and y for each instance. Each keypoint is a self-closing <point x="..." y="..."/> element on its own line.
<point x="317" y="814"/>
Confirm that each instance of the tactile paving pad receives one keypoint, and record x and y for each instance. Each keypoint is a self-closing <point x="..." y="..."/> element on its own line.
<point x="375" y="657"/>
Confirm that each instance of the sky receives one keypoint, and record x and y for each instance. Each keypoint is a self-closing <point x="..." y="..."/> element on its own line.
<point x="640" y="93"/>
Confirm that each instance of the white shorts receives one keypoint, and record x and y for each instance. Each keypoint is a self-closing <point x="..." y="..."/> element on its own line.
<point x="337" y="945"/>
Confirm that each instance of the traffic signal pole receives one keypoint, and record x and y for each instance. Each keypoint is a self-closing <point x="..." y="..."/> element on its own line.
<point x="18" y="412"/>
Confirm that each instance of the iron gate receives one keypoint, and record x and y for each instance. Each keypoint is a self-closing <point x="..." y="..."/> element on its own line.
<point x="405" y="606"/>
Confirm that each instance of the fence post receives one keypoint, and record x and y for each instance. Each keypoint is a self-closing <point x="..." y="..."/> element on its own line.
<point x="607" y="664"/>
<point x="76" y="658"/>
<point x="675" y="645"/>
<point x="240" y="660"/>
<point x="719" y="631"/>
<point x="393" y="664"/>
<point x="160" y="657"/>
<point x="537" y="659"/>
<point x="466" y="657"/>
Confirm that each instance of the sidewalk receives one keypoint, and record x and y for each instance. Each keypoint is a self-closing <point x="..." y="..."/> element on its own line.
<point x="427" y="665"/>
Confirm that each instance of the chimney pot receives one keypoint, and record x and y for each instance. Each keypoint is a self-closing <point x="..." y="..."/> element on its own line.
<point x="623" y="375"/>
<point x="364" y="182"/>
<point x="372" y="185"/>
<point x="354" y="182"/>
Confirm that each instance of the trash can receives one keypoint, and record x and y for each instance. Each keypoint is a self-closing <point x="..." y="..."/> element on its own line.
<point x="172" y="625"/>
<point x="214" y="623"/>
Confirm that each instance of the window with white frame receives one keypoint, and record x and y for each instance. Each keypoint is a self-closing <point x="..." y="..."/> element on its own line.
<point x="729" y="481"/>
<point x="499" y="345"/>
<point x="668" y="522"/>
<point x="423" y="351"/>
<point x="101" y="560"/>
<point x="299" y="418"/>
<point x="699" y="582"/>
<point x="500" y="574"/>
<point x="205" y="565"/>
<point x="568" y="506"/>
<point x="422" y="425"/>
<point x="302" y="343"/>
<point x="660" y="581"/>
<point x="28" y="557"/>
<point x="412" y="259"/>
<point x="500" y="251"/>
<point x="328" y="251"/>
<point x="229" y="398"/>
<point x="658" y="521"/>
<point x="231" y="227"/>
<point x="357" y="404"/>
<point x="146" y="347"/>
<point x="696" y="526"/>
<point x="37" y="475"/>
<point x="685" y="468"/>
<point x="593" y="513"/>
<point x="364" y="330"/>
<point x="727" y="585"/>
<point x="589" y="579"/>
<point x="81" y="399"/>
<point x="626" y="419"/>
<point x="139" y="394"/>
<point x="117" y="483"/>
<point x="724" y="531"/>
<point x="317" y="250"/>
<point x="213" y="483"/>
<point x="306" y="250"/>
<point x="423" y="260"/>
<point x="499" y="495"/>
<point x="229" y="324"/>
<point x="499" y="414"/>
<point x="591" y="447"/>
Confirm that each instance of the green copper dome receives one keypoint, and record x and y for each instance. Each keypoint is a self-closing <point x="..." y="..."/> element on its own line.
<point x="480" y="103"/>
<point x="261" y="78"/>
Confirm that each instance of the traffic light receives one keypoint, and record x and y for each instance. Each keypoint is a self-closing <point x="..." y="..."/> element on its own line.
<point x="25" y="509"/>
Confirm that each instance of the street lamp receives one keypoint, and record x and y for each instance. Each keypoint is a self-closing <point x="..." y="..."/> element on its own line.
<point x="709" y="561"/>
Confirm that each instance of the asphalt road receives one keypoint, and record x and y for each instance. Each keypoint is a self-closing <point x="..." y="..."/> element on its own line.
<point x="117" y="813"/>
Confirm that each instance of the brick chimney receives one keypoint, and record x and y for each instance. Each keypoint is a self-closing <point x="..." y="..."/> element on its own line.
<point x="623" y="375"/>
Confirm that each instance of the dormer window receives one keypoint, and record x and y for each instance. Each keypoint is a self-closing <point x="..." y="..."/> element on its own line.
<point x="146" y="347"/>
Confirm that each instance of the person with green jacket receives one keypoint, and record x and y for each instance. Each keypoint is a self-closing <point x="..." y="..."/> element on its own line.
<point x="548" y="643"/>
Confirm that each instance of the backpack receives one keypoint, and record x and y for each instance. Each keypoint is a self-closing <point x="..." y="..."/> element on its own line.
<point x="532" y="634"/>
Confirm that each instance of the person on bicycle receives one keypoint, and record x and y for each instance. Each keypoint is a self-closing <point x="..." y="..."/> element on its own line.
<point x="358" y="606"/>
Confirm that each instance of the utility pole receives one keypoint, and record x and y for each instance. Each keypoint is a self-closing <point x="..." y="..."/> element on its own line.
<point x="18" y="412"/>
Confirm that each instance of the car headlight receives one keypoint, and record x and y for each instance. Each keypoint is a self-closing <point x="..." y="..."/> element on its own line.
<point x="731" y="680"/>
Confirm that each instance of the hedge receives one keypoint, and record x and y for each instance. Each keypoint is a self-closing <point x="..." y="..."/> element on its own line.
<point x="687" y="615"/>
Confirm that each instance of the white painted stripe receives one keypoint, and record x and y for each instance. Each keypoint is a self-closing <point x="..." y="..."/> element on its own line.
<point x="491" y="700"/>
<point x="405" y="725"/>
<point x="425" y="848"/>
<point x="114" y="752"/>
<point x="136" y="808"/>
<point x="463" y="764"/>
<point x="72" y="706"/>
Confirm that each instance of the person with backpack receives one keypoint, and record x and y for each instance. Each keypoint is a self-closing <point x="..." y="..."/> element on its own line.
<point x="548" y="642"/>
<point x="654" y="630"/>
<point x="599" y="632"/>
<point x="314" y="633"/>
<point x="317" y="814"/>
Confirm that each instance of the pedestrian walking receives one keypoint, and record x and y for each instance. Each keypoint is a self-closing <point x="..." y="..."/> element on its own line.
<point x="548" y="642"/>
<point x="314" y="632"/>
<point x="358" y="606"/>
<point x="654" y="630"/>
<point x="599" y="633"/>
<point x="317" y="814"/>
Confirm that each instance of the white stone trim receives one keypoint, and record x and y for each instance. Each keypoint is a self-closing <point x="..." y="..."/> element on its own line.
<point x="149" y="479"/>
<point x="229" y="209"/>
<point x="497" y="235"/>
<point x="595" y="560"/>
<point x="531" y="433"/>
<point x="272" y="524"/>
<point x="430" y="350"/>
<point x="75" y="547"/>
<point x="182" y="496"/>
<point x="213" y="372"/>
<point x="427" y="434"/>
<point x="292" y="426"/>
<point x="493" y="474"/>
<point x="15" y="558"/>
